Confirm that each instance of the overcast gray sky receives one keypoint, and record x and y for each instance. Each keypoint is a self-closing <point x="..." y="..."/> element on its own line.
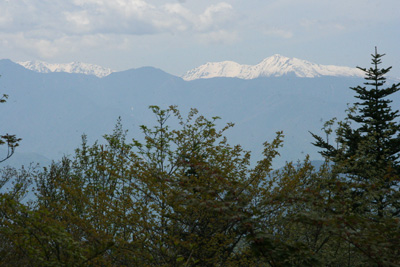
<point x="177" y="35"/>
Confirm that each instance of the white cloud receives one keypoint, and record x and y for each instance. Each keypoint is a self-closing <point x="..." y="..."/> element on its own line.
<point x="214" y="18"/>
<point x="79" y="19"/>
<point x="49" y="28"/>
<point x="177" y="18"/>
<point x="49" y="48"/>
<point x="5" y="18"/>
<point x="274" y="31"/>
<point x="218" y="37"/>
<point x="42" y="47"/>
<point x="134" y="17"/>
<point x="215" y="15"/>
<point x="325" y="25"/>
<point x="123" y="8"/>
<point x="103" y="16"/>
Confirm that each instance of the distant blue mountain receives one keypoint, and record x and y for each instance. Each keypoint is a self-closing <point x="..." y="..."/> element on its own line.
<point x="51" y="111"/>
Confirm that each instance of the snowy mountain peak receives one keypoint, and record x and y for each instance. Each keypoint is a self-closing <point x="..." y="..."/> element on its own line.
<point x="274" y="66"/>
<point x="73" y="67"/>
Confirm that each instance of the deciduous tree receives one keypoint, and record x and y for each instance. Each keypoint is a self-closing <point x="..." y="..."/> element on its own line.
<point x="180" y="197"/>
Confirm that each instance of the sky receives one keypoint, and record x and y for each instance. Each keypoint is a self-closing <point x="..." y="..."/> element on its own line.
<point x="178" y="35"/>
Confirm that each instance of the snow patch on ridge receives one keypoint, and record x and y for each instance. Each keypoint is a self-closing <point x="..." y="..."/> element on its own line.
<point x="73" y="67"/>
<point x="273" y="66"/>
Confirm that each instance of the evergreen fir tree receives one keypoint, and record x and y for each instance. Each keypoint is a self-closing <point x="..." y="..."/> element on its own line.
<point x="376" y="141"/>
<point x="367" y="148"/>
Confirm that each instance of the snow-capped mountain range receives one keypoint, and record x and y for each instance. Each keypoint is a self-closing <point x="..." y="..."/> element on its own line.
<point x="274" y="66"/>
<point x="73" y="67"/>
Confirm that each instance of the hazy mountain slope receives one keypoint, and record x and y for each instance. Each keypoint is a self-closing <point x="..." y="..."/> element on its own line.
<point x="51" y="111"/>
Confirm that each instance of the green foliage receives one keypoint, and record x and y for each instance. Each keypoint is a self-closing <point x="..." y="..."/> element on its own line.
<point x="181" y="197"/>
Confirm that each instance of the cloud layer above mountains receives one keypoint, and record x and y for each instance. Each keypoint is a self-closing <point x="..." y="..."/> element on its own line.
<point x="45" y="25"/>
<point x="52" y="19"/>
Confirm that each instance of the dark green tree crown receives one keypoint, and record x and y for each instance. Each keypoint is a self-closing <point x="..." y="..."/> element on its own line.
<point x="378" y="134"/>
